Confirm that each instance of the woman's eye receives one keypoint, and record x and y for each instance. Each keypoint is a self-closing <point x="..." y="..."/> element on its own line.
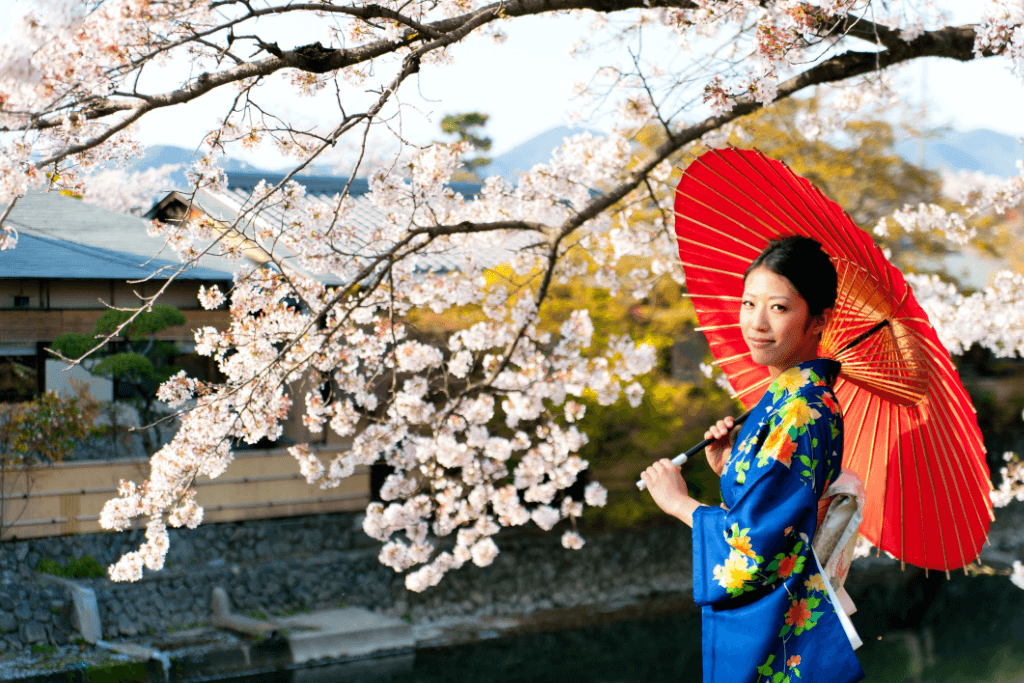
<point x="780" y="308"/>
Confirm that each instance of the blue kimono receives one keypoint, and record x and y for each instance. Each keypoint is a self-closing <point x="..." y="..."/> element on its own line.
<point x="765" y="613"/>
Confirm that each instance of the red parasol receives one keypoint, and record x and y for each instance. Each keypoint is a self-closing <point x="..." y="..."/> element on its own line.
<point x="910" y="431"/>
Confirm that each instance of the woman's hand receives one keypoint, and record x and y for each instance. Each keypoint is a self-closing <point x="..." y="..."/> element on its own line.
<point x="718" y="452"/>
<point x="668" y="488"/>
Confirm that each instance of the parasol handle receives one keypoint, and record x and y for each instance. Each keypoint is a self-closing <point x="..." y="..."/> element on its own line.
<point x="683" y="457"/>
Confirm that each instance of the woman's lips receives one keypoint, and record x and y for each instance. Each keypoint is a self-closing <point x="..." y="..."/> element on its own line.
<point x="760" y="343"/>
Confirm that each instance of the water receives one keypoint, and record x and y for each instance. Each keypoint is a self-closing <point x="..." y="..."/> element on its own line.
<point x="915" y="630"/>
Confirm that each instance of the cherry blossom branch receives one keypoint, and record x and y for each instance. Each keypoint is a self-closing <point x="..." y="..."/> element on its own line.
<point x="454" y="468"/>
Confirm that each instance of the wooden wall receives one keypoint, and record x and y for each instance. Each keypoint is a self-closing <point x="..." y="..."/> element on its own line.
<point x="84" y="294"/>
<point x="67" y="498"/>
<point x="28" y="325"/>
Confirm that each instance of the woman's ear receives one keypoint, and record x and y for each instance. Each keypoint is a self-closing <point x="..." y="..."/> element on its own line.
<point x="821" y="321"/>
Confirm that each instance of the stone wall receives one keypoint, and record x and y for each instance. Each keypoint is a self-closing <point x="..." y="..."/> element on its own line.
<point x="277" y="566"/>
<point x="281" y="566"/>
<point x="33" y="614"/>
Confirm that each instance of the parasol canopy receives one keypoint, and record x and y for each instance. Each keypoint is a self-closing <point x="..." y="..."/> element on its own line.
<point x="911" y="433"/>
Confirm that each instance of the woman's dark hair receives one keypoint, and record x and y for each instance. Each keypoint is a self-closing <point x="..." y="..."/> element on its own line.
<point x="809" y="269"/>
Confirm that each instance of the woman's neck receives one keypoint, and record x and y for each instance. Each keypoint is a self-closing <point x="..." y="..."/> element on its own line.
<point x="775" y="370"/>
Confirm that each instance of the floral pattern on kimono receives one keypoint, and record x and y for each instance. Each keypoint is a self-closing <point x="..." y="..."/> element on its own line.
<point x="765" y="612"/>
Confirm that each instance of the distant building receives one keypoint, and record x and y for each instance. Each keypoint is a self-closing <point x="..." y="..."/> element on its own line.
<point x="72" y="261"/>
<point x="365" y="217"/>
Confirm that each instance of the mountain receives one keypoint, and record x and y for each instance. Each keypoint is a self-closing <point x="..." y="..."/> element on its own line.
<point x="976" y="150"/>
<point x="536" y="150"/>
<point x="523" y="157"/>
<point x="159" y="155"/>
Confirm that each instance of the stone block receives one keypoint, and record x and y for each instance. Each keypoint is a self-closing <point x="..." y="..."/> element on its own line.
<point x="23" y="612"/>
<point x="348" y="632"/>
<point x="126" y="626"/>
<point x="33" y="632"/>
<point x="8" y="624"/>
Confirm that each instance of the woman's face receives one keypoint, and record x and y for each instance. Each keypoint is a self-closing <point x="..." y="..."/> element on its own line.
<point x="775" y="322"/>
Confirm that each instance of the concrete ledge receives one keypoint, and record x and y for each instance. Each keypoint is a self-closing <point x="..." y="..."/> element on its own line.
<point x="86" y="615"/>
<point x="347" y="632"/>
<point x="222" y="617"/>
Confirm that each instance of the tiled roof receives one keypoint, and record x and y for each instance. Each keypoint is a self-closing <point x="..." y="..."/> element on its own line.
<point x="56" y="217"/>
<point x="45" y="257"/>
<point x="364" y="216"/>
<point x="64" y="237"/>
<point x="323" y="185"/>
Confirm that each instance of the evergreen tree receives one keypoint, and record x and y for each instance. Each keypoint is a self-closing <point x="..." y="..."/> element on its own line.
<point x="465" y="128"/>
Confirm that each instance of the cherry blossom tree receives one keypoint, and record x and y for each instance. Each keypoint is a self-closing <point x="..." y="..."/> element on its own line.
<point x="479" y="429"/>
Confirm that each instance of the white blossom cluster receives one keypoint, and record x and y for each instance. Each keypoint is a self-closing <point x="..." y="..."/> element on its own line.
<point x="980" y="192"/>
<point x="992" y="317"/>
<point x="1017" y="577"/>
<point x="977" y="192"/>
<point x="929" y="218"/>
<point x="779" y="39"/>
<point x="1012" y="485"/>
<point x="845" y="100"/>
<point x="1002" y="32"/>
<point x="127" y="191"/>
<point x="65" y="53"/>
<point x="479" y="430"/>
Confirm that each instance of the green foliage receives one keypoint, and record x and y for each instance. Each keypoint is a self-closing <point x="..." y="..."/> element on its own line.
<point x="138" y="360"/>
<point x="625" y="440"/>
<point x="44" y="429"/>
<point x="131" y="366"/>
<point x="73" y="344"/>
<point x="41" y="431"/>
<point x="145" y="324"/>
<point x="85" y="567"/>
<point x="464" y="127"/>
<point x="51" y="567"/>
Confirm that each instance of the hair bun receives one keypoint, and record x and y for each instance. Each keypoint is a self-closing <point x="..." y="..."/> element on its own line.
<point x="803" y="262"/>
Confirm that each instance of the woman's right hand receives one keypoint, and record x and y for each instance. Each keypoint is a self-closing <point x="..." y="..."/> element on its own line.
<point x="719" y="451"/>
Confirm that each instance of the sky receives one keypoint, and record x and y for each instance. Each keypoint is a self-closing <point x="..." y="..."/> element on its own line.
<point x="536" y="95"/>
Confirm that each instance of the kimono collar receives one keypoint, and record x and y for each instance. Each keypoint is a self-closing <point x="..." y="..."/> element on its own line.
<point x="816" y="371"/>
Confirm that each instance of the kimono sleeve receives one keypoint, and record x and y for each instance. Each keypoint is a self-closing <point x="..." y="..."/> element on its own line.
<point x="764" y="537"/>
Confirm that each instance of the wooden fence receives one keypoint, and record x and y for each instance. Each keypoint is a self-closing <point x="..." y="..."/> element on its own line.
<point x="67" y="498"/>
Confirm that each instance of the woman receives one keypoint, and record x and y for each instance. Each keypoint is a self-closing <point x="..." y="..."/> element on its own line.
<point x="765" y="607"/>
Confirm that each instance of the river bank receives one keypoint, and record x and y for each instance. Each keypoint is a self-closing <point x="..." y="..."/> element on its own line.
<point x="277" y="570"/>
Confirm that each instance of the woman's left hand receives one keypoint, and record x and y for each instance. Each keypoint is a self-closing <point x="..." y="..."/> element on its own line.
<point x="667" y="486"/>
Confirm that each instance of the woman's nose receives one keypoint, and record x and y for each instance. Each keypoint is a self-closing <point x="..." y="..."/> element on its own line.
<point x="760" y="319"/>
